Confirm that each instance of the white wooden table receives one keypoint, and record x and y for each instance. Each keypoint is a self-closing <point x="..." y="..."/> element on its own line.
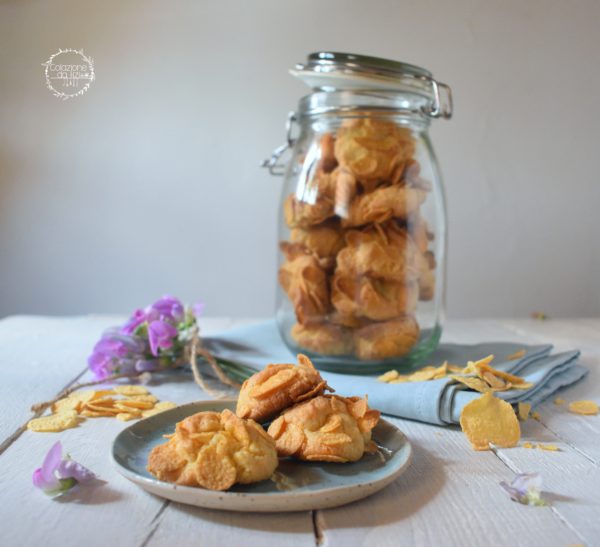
<point x="449" y="496"/>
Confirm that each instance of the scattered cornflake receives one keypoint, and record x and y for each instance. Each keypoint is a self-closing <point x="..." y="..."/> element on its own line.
<point x="399" y="380"/>
<point x="536" y="416"/>
<point x="441" y="371"/>
<point x="516" y="355"/>
<point x="389" y="375"/>
<point x="123" y="403"/>
<point x="540" y="446"/>
<point x="130" y="390"/>
<point x="523" y="409"/>
<point x="126" y="416"/>
<point x="548" y="447"/>
<point x="558" y="401"/>
<point x="476" y="384"/>
<point x="587" y="408"/>
<point x="423" y="375"/>
<point x="55" y="422"/>
<point x="158" y="408"/>
<point x="477" y="375"/>
<point x="490" y="420"/>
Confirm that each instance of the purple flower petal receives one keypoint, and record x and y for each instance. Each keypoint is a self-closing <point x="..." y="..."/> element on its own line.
<point x="45" y="477"/>
<point x="69" y="468"/>
<point x="525" y="488"/>
<point x="138" y="317"/>
<point x="40" y="482"/>
<point x="160" y="335"/>
<point x="169" y="307"/>
<point x="198" y="308"/>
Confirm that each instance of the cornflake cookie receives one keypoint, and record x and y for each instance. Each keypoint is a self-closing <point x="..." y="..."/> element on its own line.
<point x="325" y="240"/>
<point x="323" y="337"/>
<point x="327" y="428"/>
<point x="214" y="451"/>
<point x="373" y="149"/>
<point x="386" y="339"/>
<point x="276" y="387"/>
<point x="381" y="252"/>
<point x="383" y="204"/>
<point x="300" y="214"/>
<point x="374" y="299"/>
<point x="304" y="280"/>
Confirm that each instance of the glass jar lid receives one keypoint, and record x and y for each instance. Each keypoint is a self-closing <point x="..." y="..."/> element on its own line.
<point x="326" y="71"/>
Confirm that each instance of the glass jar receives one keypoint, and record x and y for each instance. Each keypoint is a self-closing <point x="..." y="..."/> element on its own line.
<point x="363" y="218"/>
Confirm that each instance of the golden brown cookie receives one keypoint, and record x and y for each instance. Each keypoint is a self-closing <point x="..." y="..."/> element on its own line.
<point x="373" y="149"/>
<point x="301" y="214"/>
<point x="214" y="450"/>
<point x="382" y="252"/>
<point x="374" y="299"/>
<point x="325" y="240"/>
<point x="327" y="428"/>
<point x="304" y="280"/>
<point x="276" y="387"/>
<point x="324" y="338"/>
<point x="393" y="338"/>
<point x="384" y="203"/>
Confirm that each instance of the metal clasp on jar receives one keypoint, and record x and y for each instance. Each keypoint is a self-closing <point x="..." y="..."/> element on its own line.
<point x="272" y="163"/>
<point x="440" y="108"/>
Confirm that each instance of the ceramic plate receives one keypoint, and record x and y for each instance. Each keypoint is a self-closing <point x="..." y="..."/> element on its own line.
<point x="300" y="486"/>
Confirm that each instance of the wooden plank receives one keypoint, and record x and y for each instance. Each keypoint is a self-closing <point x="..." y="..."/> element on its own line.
<point x="567" y="477"/>
<point x="118" y="512"/>
<point x="195" y="526"/>
<point x="38" y="357"/>
<point x="450" y="495"/>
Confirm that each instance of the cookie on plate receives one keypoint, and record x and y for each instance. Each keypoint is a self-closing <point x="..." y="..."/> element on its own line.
<point x="327" y="428"/>
<point x="277" y="387"/>
<point x="215" y="451"/>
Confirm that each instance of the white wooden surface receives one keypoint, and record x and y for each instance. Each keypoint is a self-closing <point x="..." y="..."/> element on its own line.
<point x="449" y="496"/>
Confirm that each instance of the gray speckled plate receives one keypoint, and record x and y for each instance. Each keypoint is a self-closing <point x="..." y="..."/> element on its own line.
<point x="300" y="486"/>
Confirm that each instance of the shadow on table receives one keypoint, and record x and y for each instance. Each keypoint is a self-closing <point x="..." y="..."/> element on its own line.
<point x="285" y="523"/>
<point x="96" y="493"/>
<point x="419" y="485"/>
<point x="407" y="495"/>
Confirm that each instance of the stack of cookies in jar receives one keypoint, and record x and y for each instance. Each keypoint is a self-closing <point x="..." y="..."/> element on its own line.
<point x="358" y="260"/>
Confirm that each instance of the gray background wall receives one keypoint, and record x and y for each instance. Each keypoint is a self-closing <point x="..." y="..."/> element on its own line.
<point x="149" y="182"/>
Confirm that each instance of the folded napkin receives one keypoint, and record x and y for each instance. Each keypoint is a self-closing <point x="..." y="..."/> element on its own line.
<point x="433" y="401"/>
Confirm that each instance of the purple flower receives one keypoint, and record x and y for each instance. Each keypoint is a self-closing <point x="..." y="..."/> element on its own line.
<point x="138" y="317"/>
<point x="160" y="336"/>
<point x="58" y="475"/>
<point x="198" y="308"/>
<point x="135" y="346"/>
<point x="115" y="352"/>
<point x="168" y="308"/>
<point x="525" y="488"/>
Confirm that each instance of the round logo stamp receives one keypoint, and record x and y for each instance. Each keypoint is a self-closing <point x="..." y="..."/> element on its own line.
<point x="69" y="73"/>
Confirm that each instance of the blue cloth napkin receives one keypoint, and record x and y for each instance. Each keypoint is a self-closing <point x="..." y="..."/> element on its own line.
<point x="434" y="401"/>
